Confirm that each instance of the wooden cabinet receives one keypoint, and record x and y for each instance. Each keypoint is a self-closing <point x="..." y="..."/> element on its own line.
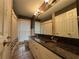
<point x="66" y="24"/>
<point x="1" y="16"/>
<point x="33" y="47"/>
<point x="7" y="17"/>
<point x="14" y="26"/>
<point x="8" y="20"/>
<point x="53" y="24"/>
<point x="46" y="27"/>
<point x="73" y="23"/>
<point x="37" y="27"/>
<point x="60" y="25"/>
<point x="40" y="52"/>
<point x="46" y="54"/>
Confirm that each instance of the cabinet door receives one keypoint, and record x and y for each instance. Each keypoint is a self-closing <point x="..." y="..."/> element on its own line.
<point x="1" y="16"/>
<point x="7" y="16"/>
<point x="66" y="24"/>
<point x="14" y="26"/>
<point x="32" y="48"/>
<point x="37" y="27"/>
<point x="72" y="24"/>
<point x="37" y="51"/>
<point x="44" y="28"/>
<point x="47" y="27"/>
<point x="58" y="25"/>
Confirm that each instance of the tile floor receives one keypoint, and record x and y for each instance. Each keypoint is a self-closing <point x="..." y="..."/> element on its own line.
<point x="22" y="53"/>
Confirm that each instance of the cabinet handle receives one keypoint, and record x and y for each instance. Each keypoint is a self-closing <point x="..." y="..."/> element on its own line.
<point x="69" y="34"/>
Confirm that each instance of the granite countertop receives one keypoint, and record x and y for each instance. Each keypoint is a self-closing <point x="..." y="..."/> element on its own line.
<point x="59" y="49"/>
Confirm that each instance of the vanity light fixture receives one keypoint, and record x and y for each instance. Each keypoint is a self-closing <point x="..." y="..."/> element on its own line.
<point x="38" y="12"/>
<point x="41" y="11"/>
<point x="46" y="1"/>
<point x="35" y="14"/>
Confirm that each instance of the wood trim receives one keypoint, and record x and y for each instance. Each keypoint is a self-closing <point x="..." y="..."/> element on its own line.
<point x="11" y="20"/>
<point x="23" y="17"/>
<point x="50" y="17"/>
<point x="33" y="25"/>
<point x="72" y="6"/>
<point x="77" y="7"/>
<point x="78" y="13"/>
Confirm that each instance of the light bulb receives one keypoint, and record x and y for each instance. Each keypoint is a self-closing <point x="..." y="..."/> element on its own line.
<point x="46" y="1"/>
<point x="42" y="11"/>
<point x="34" y="13"/>
<point x="38" y="10"/>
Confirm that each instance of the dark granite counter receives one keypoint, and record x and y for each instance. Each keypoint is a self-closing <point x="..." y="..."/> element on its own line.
<point x="62" y="50"/>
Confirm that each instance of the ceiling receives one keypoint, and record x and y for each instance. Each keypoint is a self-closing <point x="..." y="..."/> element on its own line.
<point x="56" y="7"/>
<point x="28" y="7"/>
